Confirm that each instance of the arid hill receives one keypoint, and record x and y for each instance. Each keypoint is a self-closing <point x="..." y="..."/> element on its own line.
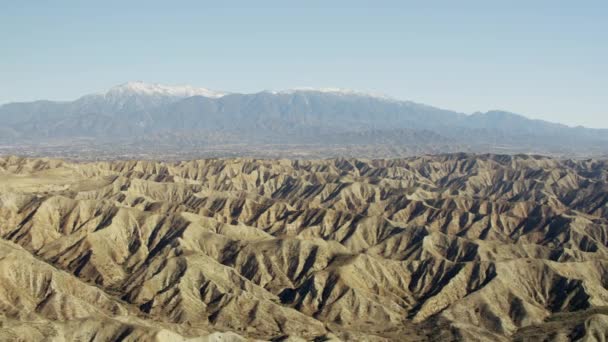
<point x="449" y="247"/>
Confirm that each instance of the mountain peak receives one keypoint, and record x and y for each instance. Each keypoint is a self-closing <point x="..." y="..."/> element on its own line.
<point x="143" y="88"/>
<point x="334" y="91"/>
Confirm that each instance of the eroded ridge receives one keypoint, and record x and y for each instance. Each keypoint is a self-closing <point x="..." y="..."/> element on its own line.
<point x="428" y="248"/>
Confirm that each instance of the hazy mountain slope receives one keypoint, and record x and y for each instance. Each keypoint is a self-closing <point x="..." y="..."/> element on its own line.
<point x="458" y="246"/>
<point x="137" y="111"/>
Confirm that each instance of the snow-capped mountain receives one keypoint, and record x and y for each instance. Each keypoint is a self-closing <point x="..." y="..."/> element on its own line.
<point x="155" y="89"/>
<point x="334" y="91"/>
<point x="136" y="97"/>
<point x="300" y="115"/>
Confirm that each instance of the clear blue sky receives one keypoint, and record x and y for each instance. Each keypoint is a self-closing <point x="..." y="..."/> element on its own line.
<point x="543" y="59"/>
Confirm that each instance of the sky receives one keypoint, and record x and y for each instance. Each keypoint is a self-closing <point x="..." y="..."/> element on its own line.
<point x="543" y="59"/>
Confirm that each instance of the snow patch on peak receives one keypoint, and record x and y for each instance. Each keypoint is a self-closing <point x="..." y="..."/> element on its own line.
<point x="334" y="91"/>
<point x="143" y="88"/>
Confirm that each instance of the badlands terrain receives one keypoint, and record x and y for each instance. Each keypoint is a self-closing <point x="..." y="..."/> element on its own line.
<point x="435" y="248"/>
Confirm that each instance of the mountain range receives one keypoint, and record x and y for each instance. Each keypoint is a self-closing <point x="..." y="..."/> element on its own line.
<point x="147" y="116"/>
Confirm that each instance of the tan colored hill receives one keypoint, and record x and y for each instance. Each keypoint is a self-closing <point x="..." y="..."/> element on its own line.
<point x="453" y="247"/>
